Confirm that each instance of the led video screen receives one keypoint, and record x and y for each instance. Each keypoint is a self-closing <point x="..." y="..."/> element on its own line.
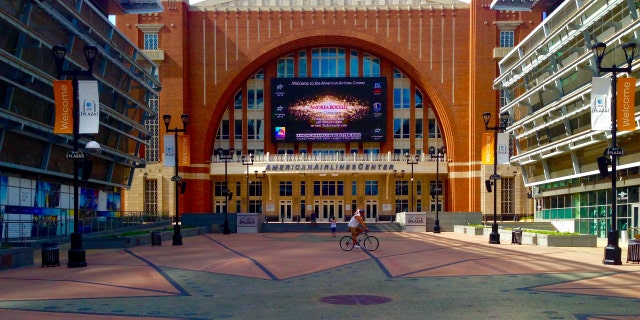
<point x="328" y="109"/>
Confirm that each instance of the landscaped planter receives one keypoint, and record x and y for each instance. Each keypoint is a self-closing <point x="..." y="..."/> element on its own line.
<point x="474" y="231"/>
<point x="529" y="238"/>
<point x="471" y="230"/>
<point x="570" y="240"/>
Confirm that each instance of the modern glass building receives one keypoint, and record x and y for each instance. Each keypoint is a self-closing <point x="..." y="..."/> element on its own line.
<point x="35" y="175"/>
<point x="546" y="85"/>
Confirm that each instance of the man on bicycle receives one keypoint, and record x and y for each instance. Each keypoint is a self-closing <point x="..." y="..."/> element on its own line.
<point x="354" y="227"/>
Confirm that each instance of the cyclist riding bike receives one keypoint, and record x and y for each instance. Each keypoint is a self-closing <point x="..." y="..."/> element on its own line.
<point x="354" y="226"/>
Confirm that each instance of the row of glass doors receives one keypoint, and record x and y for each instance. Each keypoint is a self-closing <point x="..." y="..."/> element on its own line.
<point x="324" y="210"/>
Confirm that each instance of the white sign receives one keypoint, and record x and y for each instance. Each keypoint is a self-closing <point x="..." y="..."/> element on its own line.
<point x="503" y="148"/>
<point x="89" y="106"/>
<point x="169" y="151"/>
<point x="601" y="103"/>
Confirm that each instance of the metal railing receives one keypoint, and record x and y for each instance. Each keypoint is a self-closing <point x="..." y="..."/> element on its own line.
<point x="56" y="227"/>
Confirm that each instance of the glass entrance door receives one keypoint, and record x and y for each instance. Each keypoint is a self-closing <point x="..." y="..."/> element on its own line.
<point x="371" y="210"/>
<point x="329" y="208"/>
<point x="285" y="211"/>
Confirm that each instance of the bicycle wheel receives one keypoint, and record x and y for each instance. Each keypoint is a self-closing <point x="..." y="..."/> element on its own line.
<point x="371" y="243"/>
<point x="346" y="243"/>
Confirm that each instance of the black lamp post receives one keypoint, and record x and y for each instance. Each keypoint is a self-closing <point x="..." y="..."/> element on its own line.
<point x="494" y="237"/>
<point x="177" y="236"/>
<point x="247" y="161"/>
<point x="226" y="155"/>
<point x="439" y="154"/>
<point x="613" y="253"/>
<point x="412" y="162"/>
<point x="77" y="255"/>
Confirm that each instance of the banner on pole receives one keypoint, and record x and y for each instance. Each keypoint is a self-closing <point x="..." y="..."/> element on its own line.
<point x="169" y="151"/>
<point x="63" y="96"/>
<point x="626" y="104"/>
<point x="487" y="148"/>
<point x="601" y="103"/>
<point x="185" y="151"/>
<point x="89" y="106"/>
<point x="503" y="148"/>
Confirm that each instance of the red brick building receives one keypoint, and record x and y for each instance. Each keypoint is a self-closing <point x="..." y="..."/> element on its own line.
<point x="217" y="62"/>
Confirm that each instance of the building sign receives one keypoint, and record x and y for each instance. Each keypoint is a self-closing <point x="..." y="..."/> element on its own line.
<point x="330" y="167"/>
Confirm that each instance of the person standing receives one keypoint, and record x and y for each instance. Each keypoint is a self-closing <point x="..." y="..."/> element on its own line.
<point x="334" y="226"/>
<point x="354" y="226"/>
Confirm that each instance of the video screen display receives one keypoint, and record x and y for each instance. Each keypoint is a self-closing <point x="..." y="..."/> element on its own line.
<point x="328" y="109"/>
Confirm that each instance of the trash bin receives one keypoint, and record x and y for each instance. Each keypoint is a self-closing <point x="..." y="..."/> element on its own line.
<point x="50" y="254"/>
<point x="516" y="236"/>
<point x="156" y="238"/>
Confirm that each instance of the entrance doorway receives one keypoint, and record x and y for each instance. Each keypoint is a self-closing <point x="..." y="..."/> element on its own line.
<point x="285" y="211"/>
<point x="371" y="210"/>
<point x="329" y="208"/>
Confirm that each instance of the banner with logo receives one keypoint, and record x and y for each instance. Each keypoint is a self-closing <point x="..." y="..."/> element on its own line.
<point x="63" y="95"/>
<point x="601" y="103"/>
<point x="169" y="151"/>
<point x="184" y="158"/>
<point x="626" y="104"/>
<point x="503" y="148"/>
<point x="487" y="148"/>
<point x="89" y="106"/>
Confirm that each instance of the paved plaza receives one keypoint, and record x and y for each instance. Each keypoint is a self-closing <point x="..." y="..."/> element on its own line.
<point x="307" y="276"/>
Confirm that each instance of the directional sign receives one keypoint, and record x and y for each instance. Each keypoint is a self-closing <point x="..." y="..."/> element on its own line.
<point x="75" y="155"/>
<point x="617" y="151"/>
<point x="176" y="178"/>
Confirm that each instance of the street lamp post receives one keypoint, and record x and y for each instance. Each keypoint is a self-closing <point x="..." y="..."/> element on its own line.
<point x="613" y="253"/>
<point x="226" y="155"/>
<point x="247" y="162"/>
<point x="177" y="236"/>
<point x="494" y="237"/>
<point x="77" y="255"/>
<point x="439" y="154"/>
<point x="412" y="162"/>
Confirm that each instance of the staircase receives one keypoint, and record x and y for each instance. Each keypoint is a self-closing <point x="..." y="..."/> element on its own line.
<point x="306" y="227"/>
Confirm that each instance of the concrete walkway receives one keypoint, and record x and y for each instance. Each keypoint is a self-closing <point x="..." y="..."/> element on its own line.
<point x="307" y="276"/>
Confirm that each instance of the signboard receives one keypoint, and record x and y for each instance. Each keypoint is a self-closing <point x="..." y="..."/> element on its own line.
<point x="75" y="155"/>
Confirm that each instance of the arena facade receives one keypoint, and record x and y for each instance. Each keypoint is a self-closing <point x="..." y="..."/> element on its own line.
<point x="431" y="64"/>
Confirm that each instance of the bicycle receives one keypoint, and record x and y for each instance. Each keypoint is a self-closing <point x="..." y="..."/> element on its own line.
<point x="370" y="243"/>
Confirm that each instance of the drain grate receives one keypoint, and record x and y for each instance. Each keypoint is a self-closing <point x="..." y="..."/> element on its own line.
<point x="355" y="299"/>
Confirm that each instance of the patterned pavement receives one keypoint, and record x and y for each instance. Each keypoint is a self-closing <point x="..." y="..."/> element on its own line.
<point x="307" y="276"/>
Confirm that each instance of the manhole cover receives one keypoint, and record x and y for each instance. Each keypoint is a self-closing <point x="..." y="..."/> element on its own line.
<point x="355" y="299"/>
